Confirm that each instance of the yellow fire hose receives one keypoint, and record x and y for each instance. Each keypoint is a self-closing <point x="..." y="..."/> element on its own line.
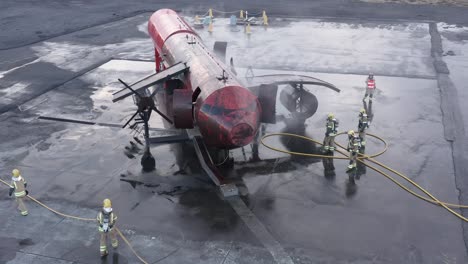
<point x="82" y="219"/>
<point x="361" y="159"/>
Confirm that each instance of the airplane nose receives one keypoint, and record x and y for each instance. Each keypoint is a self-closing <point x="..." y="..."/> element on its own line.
<point x="241" y="134"/>
<point x="229" y="117"/>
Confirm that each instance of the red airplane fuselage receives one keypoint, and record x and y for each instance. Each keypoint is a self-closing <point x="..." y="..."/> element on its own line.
<point x="226" y="113"/>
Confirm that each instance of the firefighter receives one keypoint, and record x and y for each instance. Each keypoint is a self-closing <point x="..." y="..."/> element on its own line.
<point x="353" y="149"/>
<point x="106" y="219"/>
<point x="329" y="141"/>
<point x="370" y="87"/>
<point x="18" y="187"/>
<point x="362" y="126"/>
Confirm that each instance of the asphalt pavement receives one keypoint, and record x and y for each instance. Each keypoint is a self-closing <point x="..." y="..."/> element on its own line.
<point x="63" y="60"/>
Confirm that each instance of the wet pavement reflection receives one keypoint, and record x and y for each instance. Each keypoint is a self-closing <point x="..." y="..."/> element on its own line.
<point x="310" y="206"/>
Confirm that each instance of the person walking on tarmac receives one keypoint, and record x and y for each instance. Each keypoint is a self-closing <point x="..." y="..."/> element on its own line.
<point x="362" y="126"/>
<point x="106" y="219"/>
<point x="18" y="187"/>
<point x="329" y="141"/>
<point x="353" y="149"/>
<point x="370" y="87"/>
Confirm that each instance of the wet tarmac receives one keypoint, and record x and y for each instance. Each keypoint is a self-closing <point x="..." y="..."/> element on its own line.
<point x="291" y="210"/>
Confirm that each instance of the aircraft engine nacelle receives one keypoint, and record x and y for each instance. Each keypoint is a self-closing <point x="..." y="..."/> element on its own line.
<point x="301" y="103"/>
<point x="182" y="108"/>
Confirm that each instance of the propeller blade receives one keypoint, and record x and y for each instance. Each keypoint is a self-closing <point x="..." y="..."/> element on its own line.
<point x="131" y="118"/>
<point x="130" y="88"/>
<point x="76" y="121"/>
<point x="149" y="115"/>
<point x="163" y="115"/>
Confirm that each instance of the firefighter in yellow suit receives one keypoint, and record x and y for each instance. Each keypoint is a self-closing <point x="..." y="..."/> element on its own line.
<point x="354" y="145"/>
<point x="106" y="219"/>
<point x="18" y="187"/>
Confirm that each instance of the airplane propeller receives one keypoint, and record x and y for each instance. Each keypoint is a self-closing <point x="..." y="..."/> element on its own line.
<point x="145" y="106"/>
<point x="144" y="103"/>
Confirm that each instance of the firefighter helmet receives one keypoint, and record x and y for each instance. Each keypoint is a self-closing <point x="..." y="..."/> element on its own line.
<point x="106" y="203"/>
<point x="331" y="115"/>
<point x="16" y="173"/>
<point x="363" y="111"/>
<point x="351" y="133"/>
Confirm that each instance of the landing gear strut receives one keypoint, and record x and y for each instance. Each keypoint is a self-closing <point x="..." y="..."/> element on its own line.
<point x="148" y="163"/>
<point x="145" y="106"/>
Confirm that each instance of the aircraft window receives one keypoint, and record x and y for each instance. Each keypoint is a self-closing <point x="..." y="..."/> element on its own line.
<point x="206" y="108"/>
<point x="216" y="110"/>
<point x="228" y="111"/>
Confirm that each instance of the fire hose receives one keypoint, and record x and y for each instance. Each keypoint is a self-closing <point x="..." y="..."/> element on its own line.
<point x="362" y="158"/>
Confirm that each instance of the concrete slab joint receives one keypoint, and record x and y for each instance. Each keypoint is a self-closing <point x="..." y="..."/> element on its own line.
<point x="454" y="128"/>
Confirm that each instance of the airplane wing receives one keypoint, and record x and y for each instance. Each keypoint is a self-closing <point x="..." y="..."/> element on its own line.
<point x="150" y="80"/>
<point x="278" y="79"/>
